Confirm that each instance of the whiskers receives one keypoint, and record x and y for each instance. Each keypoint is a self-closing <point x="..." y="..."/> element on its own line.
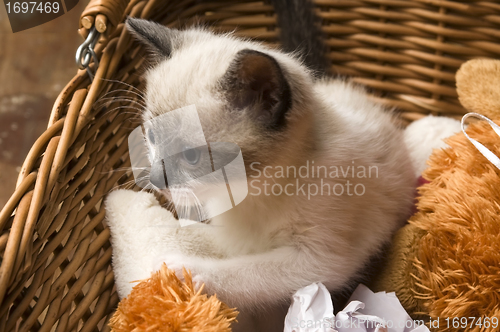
<point x="123" y="98"/>
<point x="130" y="98"/>
<point x="138" y="91"/>
<point x="141" y="181"/>
<point x="183" y="202"/>
<point x="188" y="205"/>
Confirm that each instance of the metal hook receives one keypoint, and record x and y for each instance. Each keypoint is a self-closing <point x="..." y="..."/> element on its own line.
<point x="85" y="53"/>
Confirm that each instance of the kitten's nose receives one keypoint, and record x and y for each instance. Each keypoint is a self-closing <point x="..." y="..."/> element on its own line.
<point x="157" y="176"/>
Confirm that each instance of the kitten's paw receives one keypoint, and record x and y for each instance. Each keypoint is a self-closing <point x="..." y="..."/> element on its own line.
<point x="137" y="209"/>
<point x="122" y="200"/>
<point x="174" y="262"/>
<point x="126" y="198"/>
<point x="115" y="199"/>
<point x="198" y="281"/>
<point x="177" y="262"/>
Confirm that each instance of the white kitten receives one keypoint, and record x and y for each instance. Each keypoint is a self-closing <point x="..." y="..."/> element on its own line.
<point x="260" y="252"/>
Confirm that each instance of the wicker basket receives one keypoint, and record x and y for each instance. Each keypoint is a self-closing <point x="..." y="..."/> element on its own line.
<point x="55" y="271"/>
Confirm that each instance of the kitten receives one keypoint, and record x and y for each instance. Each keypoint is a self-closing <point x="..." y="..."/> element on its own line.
<point x="257" y="254"/>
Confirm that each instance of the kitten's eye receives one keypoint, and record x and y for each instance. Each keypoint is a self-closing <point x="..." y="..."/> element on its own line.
<point x="192" y="156"/>
<point x="151" y="136"/>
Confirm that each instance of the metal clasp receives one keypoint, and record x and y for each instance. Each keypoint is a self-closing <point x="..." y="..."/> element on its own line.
<point x="85" y="53"/>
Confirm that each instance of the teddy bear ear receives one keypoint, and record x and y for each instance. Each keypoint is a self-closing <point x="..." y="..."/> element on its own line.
<point x="478" y="86"/>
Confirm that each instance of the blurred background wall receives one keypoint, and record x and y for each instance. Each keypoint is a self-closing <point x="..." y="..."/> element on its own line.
<point x="35" y="64"/>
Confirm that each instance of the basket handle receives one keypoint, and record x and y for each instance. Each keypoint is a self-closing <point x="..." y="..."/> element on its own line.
<point x="104" y="14"/>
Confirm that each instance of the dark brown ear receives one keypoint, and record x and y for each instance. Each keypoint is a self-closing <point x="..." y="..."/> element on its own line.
<point x="160" y="40"/>
<point x="255" y="83"/>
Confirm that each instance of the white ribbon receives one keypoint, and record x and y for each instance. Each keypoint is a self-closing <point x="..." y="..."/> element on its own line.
<point x="484" y="151"/>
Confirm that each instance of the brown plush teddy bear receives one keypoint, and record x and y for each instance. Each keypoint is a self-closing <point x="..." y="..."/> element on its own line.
<point x="165" y="303"/>
<point x="445" y="265"/>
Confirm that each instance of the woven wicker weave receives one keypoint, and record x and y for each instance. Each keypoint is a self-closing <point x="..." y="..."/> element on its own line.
<point x="55" y="272"/>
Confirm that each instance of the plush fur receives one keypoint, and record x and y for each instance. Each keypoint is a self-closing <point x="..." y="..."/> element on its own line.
<point x="458" y="258"/>
<point x="445" y="264"/>
<point x="165" y="303"/>
<point x="478" y="83"/>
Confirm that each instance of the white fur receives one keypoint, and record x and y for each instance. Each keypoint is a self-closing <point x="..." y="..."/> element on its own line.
<point x="266" y="248"/>
<point x="425" y="135"/>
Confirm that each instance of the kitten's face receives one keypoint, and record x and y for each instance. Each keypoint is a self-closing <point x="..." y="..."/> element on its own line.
<point x="242" y="92"/>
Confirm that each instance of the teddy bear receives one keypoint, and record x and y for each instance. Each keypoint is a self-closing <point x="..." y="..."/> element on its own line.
<point x="165" y="303"/>
<point x="445" y="264"/>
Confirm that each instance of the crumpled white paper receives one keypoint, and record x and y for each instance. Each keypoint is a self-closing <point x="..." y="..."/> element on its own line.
<point x="312" y="311"/>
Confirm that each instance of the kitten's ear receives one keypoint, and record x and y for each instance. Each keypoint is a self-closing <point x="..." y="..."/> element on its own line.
<point x="255" y="81"/>
<point x="160" y="39"/>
